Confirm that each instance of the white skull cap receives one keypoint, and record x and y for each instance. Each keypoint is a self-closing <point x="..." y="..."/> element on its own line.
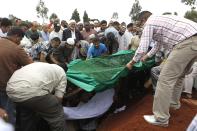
<point x="70" y="41"/>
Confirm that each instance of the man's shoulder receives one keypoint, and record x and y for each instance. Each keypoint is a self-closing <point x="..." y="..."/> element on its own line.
<point x="102" y="45"/>
<point x="67" y="30"/>
<point x="7" y="42"/>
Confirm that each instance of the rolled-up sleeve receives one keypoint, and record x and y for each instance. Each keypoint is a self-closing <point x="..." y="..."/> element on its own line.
<point x="145" y="41"/>
<point x="154" y="50"/>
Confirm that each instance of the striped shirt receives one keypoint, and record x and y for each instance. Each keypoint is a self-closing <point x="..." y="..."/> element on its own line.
<point x="167" y="31"/>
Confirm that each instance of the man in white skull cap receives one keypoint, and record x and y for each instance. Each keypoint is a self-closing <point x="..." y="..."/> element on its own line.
<point x="72" y="32"/>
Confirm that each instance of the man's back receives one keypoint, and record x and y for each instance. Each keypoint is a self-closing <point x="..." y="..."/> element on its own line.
<point x="169" y="29"/>
<point x="12" y="57"/>
<point x="36" y="79"/>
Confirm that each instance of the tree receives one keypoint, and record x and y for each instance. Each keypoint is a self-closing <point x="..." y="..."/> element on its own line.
<point x="13" y="19"/>
<point x="85" y="17"/>
<point x="170" y="13"/>
<point x="175" y="13"/>
<point x="192" y="15"/>
<point x="136" y="9"/>
<point x="167" y="13"/>
<point x="53" y="17"/>
<point x="75" y="16"/>
<point x="42" y="10"/>
<point x="115" y="16"/>
<point x="190" y="3"/>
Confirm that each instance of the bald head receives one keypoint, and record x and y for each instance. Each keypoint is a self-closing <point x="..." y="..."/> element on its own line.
<point x="34" y="26"/>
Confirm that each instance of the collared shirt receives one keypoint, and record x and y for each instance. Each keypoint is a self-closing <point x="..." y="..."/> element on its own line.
<point x="167" y="31"/>
<point x="73" y="34"/>
<point x="37" y="48"/>
<point x="125" y="40"/>
<point x="95" y="52"/>
<point x="54" y="34"/>
<point x="45" y="36"/>
<point x="36" y="79"/>
<point x="113" y="30"/>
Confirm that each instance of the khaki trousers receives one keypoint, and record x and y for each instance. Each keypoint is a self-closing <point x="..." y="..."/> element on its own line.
<point x="170" y="82"/>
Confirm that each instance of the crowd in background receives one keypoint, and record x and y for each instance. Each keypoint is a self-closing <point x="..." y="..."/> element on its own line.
<point x="61" y="42"/>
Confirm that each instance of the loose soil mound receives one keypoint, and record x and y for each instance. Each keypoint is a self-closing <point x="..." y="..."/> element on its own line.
<point x="132" y="118"/>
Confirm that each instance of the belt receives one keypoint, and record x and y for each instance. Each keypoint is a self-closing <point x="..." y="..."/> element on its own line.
<point x="195" y="34"/>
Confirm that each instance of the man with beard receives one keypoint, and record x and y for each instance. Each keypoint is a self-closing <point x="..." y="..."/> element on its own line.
<point x="97" y="49"/>
<point x="88" y="31"/>
<point x="71" y="32"/>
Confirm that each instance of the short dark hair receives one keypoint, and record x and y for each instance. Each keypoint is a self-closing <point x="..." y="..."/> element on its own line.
<point x="130" y="25"/>
<point x="115" y="23"/>
<point x="57" y="39"/>
<point x="64" y="66"/>
<point x="16" y="31"/>
<point x="144" y="15"/>
<point x="34" y="36"/>
<point x="6" y="22"/>
<point x="95" y="39"/>
<point x="103" y="22"/>
<point x="24" y="24"/>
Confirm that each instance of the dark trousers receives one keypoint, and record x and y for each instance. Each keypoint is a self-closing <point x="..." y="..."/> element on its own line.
<point x="46" y="107"/>
<point x="8" y="106"/>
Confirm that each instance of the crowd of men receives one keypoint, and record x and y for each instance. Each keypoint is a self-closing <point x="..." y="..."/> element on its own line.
<point x="32" y="51"/>
<point x="34" y="62"/>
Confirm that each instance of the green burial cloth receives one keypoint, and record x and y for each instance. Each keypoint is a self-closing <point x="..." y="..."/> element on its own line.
<point x="101" y="73"/>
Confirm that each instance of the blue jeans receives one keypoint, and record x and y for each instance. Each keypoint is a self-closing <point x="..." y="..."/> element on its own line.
<point x="8" y="106"/>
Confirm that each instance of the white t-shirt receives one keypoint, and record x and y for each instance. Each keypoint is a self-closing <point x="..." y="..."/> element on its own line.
<point x="54" y="34"/>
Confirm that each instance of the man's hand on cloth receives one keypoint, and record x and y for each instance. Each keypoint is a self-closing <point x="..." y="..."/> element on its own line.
<point x="3" y="114"/>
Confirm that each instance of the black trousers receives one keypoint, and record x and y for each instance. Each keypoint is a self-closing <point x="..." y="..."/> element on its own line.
<point x="45" y="107"/>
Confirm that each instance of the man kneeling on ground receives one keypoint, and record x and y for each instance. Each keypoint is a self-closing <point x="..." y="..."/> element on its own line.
<point x="32" y="88"/>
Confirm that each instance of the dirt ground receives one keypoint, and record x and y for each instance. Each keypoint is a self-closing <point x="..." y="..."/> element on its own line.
<point x="132" y="118"/>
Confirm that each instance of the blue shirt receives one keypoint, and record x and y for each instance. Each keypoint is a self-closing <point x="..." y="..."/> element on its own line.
<point x="94" y="52"/>
<point x="45" y="36"/>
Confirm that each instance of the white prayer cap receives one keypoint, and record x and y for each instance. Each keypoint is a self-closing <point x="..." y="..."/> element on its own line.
<point x="70" y="41"/>
<point x="71" y="21"/>
<point x="96" y="22"/>
<point x="80" y="22"/>
<point x="91" y="23"/>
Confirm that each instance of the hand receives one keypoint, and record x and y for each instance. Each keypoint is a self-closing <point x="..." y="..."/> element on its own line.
<point x="144" y="58"/>
<point x="130" y="65"/>
<point x="3" y="113"/>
